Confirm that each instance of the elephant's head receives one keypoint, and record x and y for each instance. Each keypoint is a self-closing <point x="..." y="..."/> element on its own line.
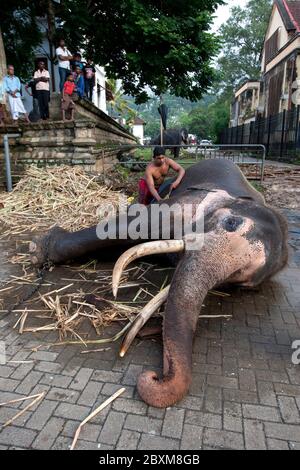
<point x="184" y="136"/>
<point x="244" y="244"/>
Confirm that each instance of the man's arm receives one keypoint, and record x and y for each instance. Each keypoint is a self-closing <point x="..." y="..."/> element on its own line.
<point x="181" y="172"/>
<point x="151" y="186"/>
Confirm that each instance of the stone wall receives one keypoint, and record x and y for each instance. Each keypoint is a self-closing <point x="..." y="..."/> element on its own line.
<point x="92" y="141"/>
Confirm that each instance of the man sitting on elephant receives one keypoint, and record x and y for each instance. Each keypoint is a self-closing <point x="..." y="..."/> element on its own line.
<point x="153" y="183"/>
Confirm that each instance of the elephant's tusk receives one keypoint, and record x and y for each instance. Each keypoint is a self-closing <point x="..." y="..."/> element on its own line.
<point x="145" y="249"/>
<point x="143" y="317"/>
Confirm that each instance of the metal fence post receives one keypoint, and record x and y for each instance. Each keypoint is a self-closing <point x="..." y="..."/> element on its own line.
<point x="7" y="164"/>
<point x="282" y="133"/>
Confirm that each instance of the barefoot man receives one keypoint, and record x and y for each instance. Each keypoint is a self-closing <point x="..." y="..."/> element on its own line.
<point x="155" y="175"/>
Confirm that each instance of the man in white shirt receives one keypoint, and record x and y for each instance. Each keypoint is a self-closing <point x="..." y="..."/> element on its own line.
<point x="42" y="78"/>
<point x="64" y="56"/>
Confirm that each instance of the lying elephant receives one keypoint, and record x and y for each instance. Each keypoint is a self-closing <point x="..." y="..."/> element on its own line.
<point x="173" y="137"/>
<point x="245" y="243"/>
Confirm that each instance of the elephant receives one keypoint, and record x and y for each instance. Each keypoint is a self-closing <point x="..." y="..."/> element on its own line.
<point x="173" y="137"/>
<point x="244" y="244"/>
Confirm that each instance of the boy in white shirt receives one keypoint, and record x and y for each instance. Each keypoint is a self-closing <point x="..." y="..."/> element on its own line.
<point x="64" y="56"/>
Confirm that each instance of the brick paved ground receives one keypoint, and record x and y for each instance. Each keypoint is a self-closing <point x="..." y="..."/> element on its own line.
<point x="245" y="391"/>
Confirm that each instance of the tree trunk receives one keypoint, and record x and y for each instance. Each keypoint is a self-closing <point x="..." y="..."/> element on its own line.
<point x="3" y="66"/>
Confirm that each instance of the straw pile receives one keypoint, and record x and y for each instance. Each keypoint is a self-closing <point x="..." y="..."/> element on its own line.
<point x="64" y="196"/>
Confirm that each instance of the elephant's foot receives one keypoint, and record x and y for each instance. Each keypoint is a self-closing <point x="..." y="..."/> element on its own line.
<point x="42" y="249"/>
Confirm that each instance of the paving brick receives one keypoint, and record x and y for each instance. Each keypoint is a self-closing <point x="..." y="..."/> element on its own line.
<point x="110" y="389"/>
<point x="173" y="423"/>
<point x="131" y="375"/>
<point x="149" y="442"/>
<point x="247" y="380"/>
<point x="128" y="440"/>
<point x="41" y="415"/>
<point x="240" y="396"/>
<point x="62" y="443"/>
<point x="223" y="382"/>
<point x="254" y="435"/>
<point x="289" y="390"/>
<point x="143" y="424"/>
<point x="30" y="381"/>
<point x="90" y="394"/>
<point x="6" y="371"/>
<point x="44" y="356"/>
<point x="191" y="437"/>
<point x="70" y="411"/>
<point x="6" y="413"/>
<point x="223" y="439"/>
<point x="130" y="406"/>
<point x="63" y="394"/>
<point x="46" y="366"/>
<point x="232" y="417"/>
<point x="276" y="444"/>
<point x="203" y="419"/>
<point x="213" y="400"/>
<point x="289" y="411"/>
<point x="60" y="381"/>
<point x="13" y="435"/>
<point x="8" y="385"/>
<point x="266" y="393"/>
<point x="48" y="434"/>
<point x="262" y="413"/>
<point x="112" y="428"/>
<point x="81" y="379"/>
<point x="107" y="376"/>
<point x="286" y="432"/>
<point x="22" y="371"/>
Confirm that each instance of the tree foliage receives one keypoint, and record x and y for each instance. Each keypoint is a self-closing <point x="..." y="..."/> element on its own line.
<point x="242" y="41"/>
<point x="164" y="45"/>
<point x="21" y="34"/>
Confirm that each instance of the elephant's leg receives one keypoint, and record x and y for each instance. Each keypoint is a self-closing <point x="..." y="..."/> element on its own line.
<point x="59" y="245"/>
<point x="176" y="153"/>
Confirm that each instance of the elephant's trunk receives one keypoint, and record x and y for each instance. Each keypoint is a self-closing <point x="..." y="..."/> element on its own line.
<point x="196" y="274"/>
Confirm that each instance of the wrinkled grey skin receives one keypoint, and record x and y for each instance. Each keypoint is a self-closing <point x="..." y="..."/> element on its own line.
<point x="173" y="137"/>
<point x="245" y="243"/>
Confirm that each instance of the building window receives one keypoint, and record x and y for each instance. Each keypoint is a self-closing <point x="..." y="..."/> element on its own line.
<point x="272" y="46"/>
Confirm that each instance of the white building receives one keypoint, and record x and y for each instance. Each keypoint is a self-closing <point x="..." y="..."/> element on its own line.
<point x="138" y="129"/>
<point x="43" y="53"/>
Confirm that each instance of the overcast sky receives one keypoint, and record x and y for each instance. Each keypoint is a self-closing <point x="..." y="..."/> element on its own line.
<point x="223" y="12"/>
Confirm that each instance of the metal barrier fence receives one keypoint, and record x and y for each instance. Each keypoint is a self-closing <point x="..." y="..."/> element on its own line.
<point x="250" y="156"/>
<point x="279" y="133"/>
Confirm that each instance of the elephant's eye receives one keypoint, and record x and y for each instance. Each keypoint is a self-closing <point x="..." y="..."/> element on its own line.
<point x="231" y="224"/>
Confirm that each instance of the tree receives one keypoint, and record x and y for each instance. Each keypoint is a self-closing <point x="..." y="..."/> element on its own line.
<point x="119" y="104"/>
<point x="162" y="44"/>
<point x="242" y="40"/>
<point x="21" y="34"/>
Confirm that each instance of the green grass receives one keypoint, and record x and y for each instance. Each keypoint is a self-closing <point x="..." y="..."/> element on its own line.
<point x="257" y="186"/>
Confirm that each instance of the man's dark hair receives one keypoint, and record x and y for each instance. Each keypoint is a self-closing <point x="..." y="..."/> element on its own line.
<point x="77" y="55"/>
<point x="69" y="75"/>
<point x="158" y="151"/>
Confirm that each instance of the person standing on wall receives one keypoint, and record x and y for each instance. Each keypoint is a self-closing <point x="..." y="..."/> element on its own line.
<point x="89" y="79"/>
<point x="42" y="79"/>
<point x="30" y="88"/>
<point x="64" y="57"/>
<point x="12" y="86"/>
